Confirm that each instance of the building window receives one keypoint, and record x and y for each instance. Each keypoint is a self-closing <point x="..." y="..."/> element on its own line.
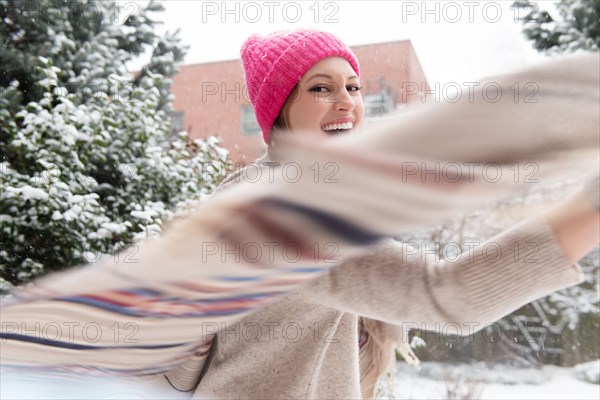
<point x="377" y="104"/>
<point x="249" y="123"/>
<point x="177" y="121"/>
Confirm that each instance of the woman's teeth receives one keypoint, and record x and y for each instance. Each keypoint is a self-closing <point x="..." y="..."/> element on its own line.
<point x="335" y="127"/>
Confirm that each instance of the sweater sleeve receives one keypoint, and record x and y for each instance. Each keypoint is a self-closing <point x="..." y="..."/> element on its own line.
<point x="395" y="284"/>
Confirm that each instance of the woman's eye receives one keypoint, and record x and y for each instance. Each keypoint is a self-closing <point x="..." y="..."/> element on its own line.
<point x="319" y="89"/>
<point x="353" y="88"/>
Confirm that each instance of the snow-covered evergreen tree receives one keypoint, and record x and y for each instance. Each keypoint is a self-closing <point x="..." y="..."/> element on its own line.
<point x="577" y="29"/>
<point x="89" y="162"/>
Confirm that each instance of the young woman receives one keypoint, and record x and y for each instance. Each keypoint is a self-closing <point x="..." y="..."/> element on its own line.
<point x="334" y="337"/>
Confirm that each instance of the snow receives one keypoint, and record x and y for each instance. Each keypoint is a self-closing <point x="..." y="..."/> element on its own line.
<point x="115" y="228"/>
<point x="144" y="215"/>
<point x="433" y="381"/>
<point x="42" y="386"/>
<point x="29" y="193"/>
<point x="483" y="381"/>
<point x="589" y="372"/>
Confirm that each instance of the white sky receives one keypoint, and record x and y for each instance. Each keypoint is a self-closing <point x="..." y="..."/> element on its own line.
<point x="484" y="40"/>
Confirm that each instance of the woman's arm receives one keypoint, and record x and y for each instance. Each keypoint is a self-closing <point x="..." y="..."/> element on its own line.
<point x="396" y="284"/>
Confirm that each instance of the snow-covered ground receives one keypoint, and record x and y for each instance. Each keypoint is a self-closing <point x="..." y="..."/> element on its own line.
<point x="482" y="381"/>
<point x="432" y="381"/>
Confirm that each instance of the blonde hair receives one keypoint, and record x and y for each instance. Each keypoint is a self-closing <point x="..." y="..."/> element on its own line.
<point x="377" y="357"/>
<point x="280" y="123"/>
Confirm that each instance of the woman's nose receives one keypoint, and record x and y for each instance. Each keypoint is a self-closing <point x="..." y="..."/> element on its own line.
<point x="343" y="100"/>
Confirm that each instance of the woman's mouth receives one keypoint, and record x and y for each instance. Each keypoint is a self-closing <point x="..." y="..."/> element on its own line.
<point x="337" y="128"/>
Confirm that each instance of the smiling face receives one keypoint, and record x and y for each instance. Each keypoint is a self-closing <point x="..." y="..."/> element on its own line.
<point x="327" y="99"/>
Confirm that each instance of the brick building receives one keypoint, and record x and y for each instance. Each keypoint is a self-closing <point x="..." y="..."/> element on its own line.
<point x="211" y="98"/>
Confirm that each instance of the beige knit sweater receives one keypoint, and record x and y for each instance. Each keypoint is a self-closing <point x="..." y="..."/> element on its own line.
<point x="305" y="346"/>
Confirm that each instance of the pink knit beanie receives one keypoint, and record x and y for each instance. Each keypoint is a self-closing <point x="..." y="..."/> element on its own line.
<point x="273" y="65"/>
